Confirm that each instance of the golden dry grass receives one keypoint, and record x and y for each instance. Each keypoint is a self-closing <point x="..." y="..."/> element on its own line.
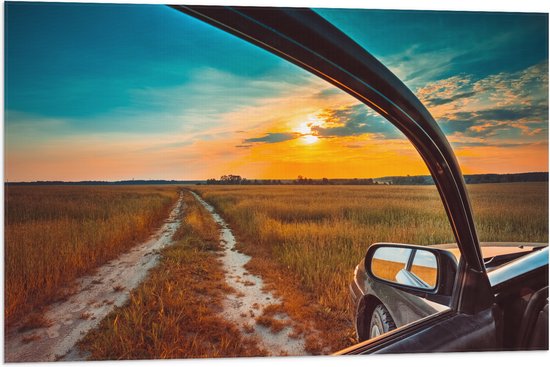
<point x="388" y="270"/>
<point x="306" y="240"/>
<point x="53" y="234"/>
<point x="175" y="312"/>
<point x="427" y="274"/>
<point x="385" y="269"/>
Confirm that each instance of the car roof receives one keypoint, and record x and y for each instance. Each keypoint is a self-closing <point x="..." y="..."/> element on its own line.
<point x="492" y="249"/>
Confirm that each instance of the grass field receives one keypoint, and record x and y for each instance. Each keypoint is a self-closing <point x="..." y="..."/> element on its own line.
<point x="175" y="312"/>
<point x="306" y="240"/>
<point x="53" y="234"/>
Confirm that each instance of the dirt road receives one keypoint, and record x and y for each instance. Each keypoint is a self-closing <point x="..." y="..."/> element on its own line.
<point x="98" y="294"/>
<point x="250" y="300"/>
<point x="95" y="297"/>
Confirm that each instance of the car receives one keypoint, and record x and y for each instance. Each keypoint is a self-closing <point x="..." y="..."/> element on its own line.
<point x="487" y="308"/>
<point x="379" y="307"/>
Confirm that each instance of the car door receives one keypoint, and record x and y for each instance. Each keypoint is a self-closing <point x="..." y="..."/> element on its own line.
<point x="304" y="38"/>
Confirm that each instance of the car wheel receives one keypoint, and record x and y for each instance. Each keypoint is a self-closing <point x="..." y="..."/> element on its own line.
<point x="380" y="321"/>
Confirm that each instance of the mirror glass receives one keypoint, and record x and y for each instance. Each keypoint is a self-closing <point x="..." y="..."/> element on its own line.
<point x="407" y="266"/>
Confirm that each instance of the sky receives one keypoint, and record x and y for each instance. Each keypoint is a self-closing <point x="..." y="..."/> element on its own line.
<point x="119" y="92"/>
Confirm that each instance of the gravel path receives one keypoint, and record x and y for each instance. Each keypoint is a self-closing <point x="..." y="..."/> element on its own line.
<point x="95" y="298"/>
<point x="250" y="299"/>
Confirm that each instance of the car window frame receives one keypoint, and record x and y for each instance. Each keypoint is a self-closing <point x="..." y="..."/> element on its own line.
<point x="306" y="39"/>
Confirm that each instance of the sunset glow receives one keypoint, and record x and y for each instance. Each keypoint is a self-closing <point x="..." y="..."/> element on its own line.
<point x="309" y="139"/>
<point x="307" y="136"/>
<point x="157" y="104"/>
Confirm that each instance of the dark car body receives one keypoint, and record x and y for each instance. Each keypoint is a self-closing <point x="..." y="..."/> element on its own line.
<point x="404" y="307"/>
<point x="504" y="309"/>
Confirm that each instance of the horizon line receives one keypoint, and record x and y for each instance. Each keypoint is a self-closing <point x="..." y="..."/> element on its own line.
<point x="259" y="179"/>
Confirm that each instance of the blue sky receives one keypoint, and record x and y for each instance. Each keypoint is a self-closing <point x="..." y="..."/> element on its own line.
<point x="91" y="89"/>
<point x="83" y="60"/>
<point x="471" y="42"/>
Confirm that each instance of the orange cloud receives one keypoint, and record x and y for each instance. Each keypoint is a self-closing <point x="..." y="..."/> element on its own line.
<point x="303" y="131"/>
<point x="504" y="159"/>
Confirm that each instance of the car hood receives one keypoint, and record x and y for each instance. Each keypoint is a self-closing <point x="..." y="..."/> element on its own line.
<point x="492" y="249"/>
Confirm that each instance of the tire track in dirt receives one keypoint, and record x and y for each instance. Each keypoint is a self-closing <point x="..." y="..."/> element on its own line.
<point x="96" y="296"/>
<point x="250" y="299"/>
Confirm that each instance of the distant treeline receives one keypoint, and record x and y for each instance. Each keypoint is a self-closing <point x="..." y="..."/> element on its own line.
<point x="125" y="182"/>
<point x="511" y="177"/>
<point x="393" y="180"/>
<point x="472" y="179"/>
<point x="238" y="180"/>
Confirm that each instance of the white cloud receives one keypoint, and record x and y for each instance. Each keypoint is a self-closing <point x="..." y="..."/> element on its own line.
<point x="495" y="105"/>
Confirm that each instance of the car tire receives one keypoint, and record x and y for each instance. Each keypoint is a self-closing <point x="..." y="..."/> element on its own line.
<point x="380" y="321"/>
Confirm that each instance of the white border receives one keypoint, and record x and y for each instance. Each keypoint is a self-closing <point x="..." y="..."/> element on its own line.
<point x="455" y="5"/>
<point x="410" y="360"/>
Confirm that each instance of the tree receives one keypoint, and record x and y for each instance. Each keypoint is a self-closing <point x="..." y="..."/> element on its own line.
<point x="231" y="180"/>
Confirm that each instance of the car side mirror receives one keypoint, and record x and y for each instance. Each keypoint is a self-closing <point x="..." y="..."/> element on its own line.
<point x="424" y="271"/>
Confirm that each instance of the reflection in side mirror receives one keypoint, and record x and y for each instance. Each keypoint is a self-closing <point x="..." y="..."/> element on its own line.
<point x="412" y="267"/>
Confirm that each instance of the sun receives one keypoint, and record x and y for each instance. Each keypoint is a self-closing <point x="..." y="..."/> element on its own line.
<point x="308" y="137"/>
